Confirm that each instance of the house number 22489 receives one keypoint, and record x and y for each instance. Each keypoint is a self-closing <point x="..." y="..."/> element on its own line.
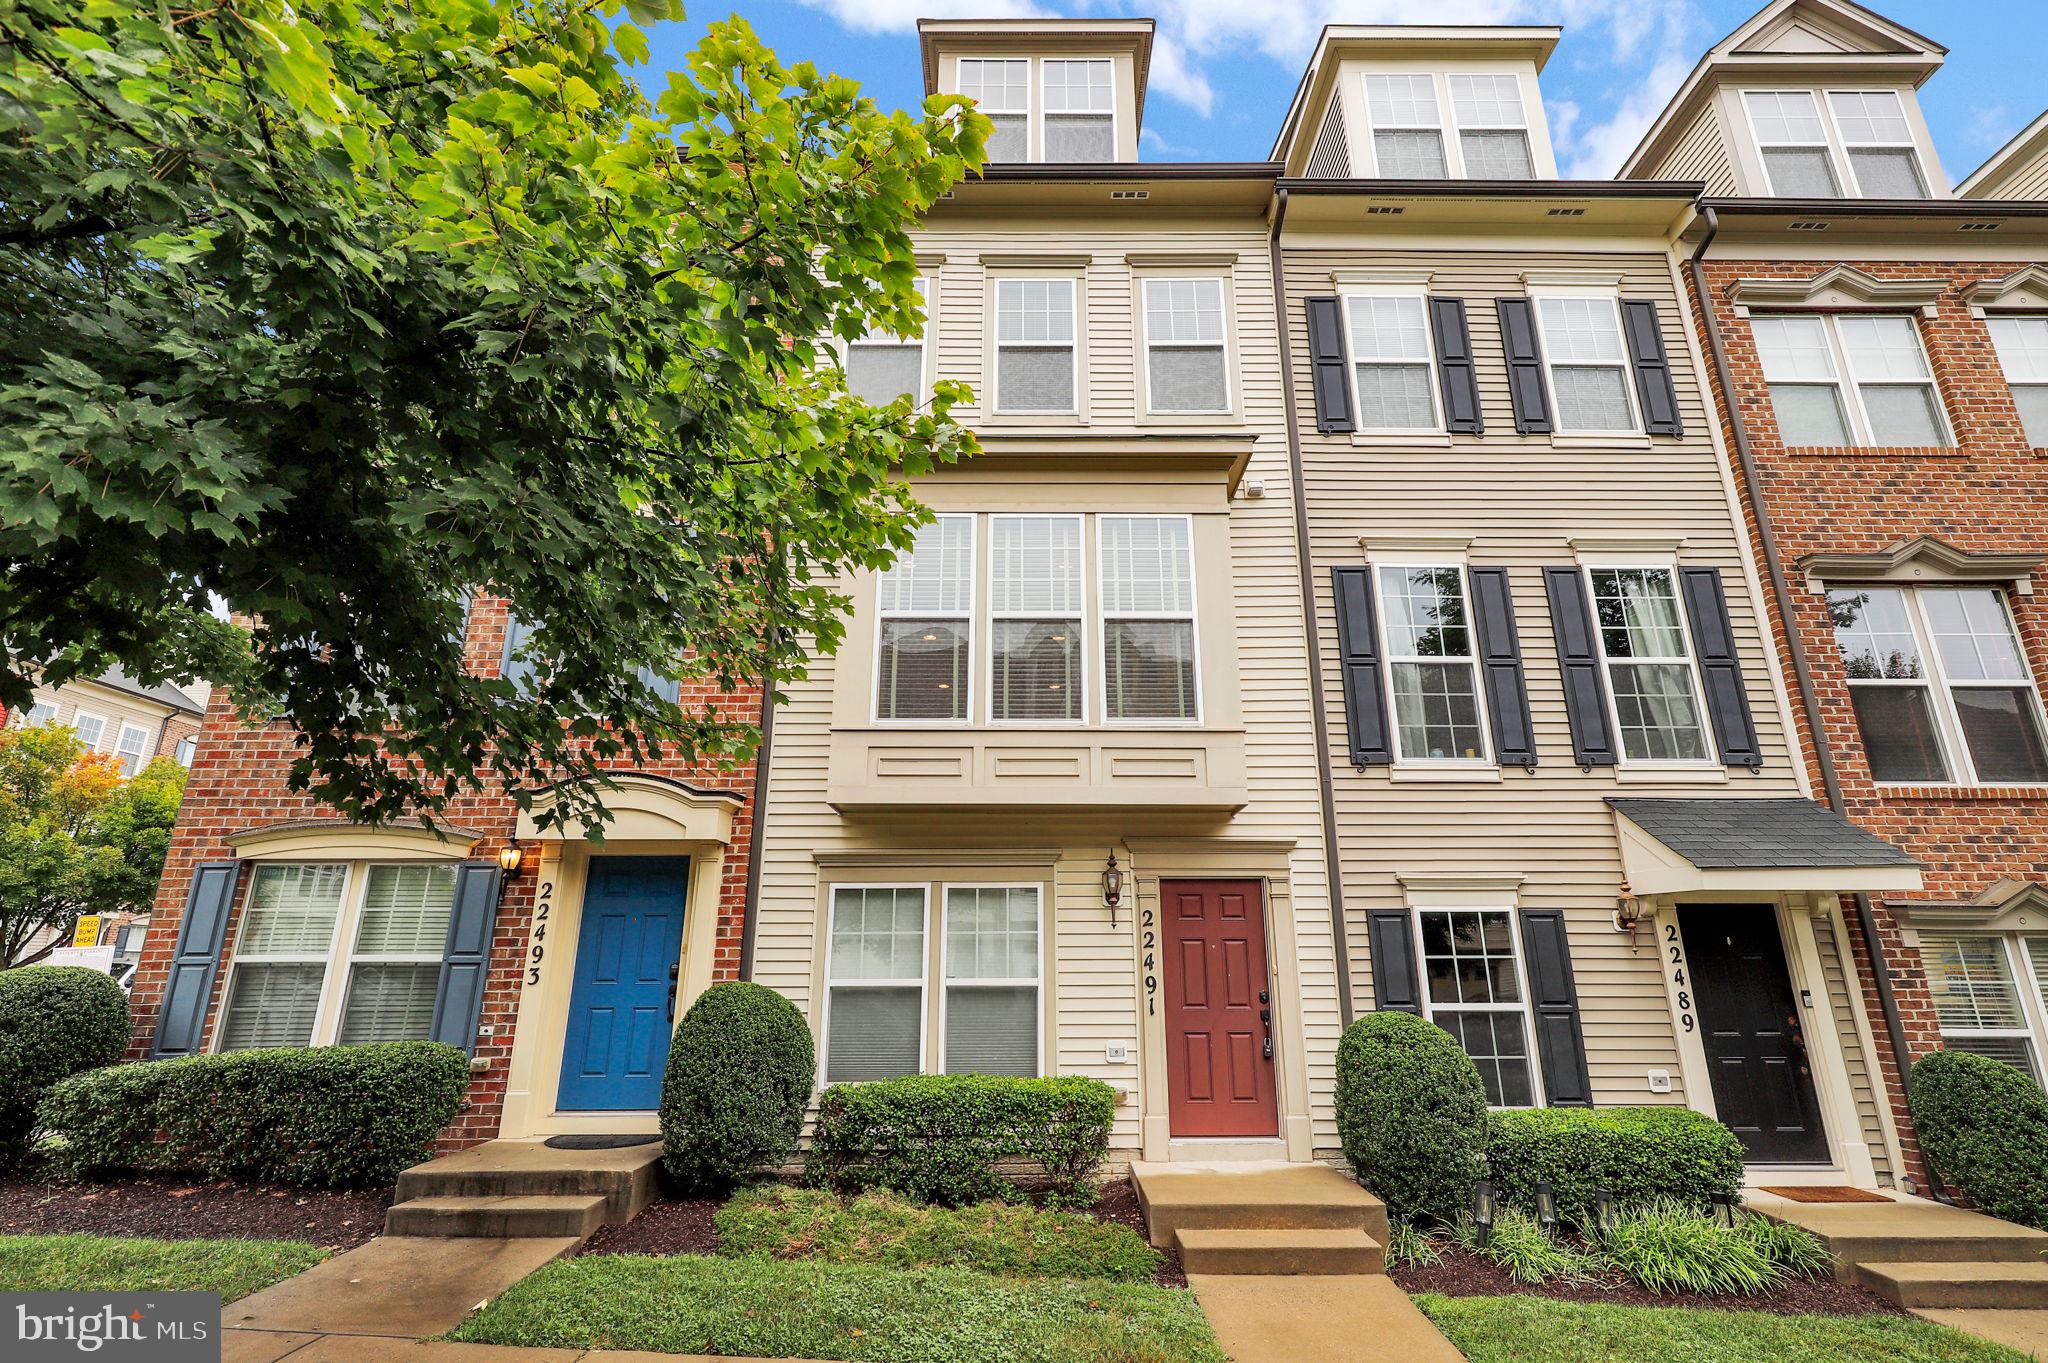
<point x="542" y="903"/>
<point x="1681" y="991"/>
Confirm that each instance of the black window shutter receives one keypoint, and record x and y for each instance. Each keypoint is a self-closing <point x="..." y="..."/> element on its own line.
<point x="1653" y="367"/>
<point x="1525" y="366"/>
<point x="1358" y="658"/>
<point x="1578" y="661"/>
<point x="195" y="960"/>
<point x="1456" y="373"/>
<point x="1500" y="667"/>
<point x="1713" y="642"/>
<point x="1554" y="1000"/>
<point x="459" y="1001"/>
<point x="1329" y="368"/>
<point x="1390" y="935"/>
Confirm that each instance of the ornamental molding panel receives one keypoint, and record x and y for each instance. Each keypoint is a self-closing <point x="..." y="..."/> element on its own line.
<point x="1921" y="559"/>
<point x="340" y="840"/>
<point x="2024" y="289"/>
<point x="1840" y="286"/>
<point x="644" y="808"/>
<point x="2006" y="905"/>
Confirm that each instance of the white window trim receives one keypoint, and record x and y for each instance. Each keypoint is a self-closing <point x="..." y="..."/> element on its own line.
<point x="351" y="956"/>
<point x="1834" y="128"/>
<point x="1491" y="761"/>
<point x="1454" y="159"/>
<point x="1103" y="615"/>
<point x="1948" y="725"/>
<point x="1849" y="388"/>
<point x="927" y="292"/>
<point x="1550" y="363"/>
<point x="1031" y="142"/>
<point x="1073" y="283"/>
<point x="1436" y="405"/>
<point x="2012" y="384"/>
<point x="985" y="602"/>
<point x="969" y="618"/>
<point x="947" y="985"/>
<point x="142" y="754"/>
<point x="923" y="982"/>
<point x="38" y="713"/>
<point x="1036" y="121"/>
<point x="1834" y="145"/>
<point x="1222" y="282"/>
<point x="99" y="740"/>
<point x="1691" y="665"/>
<point x="1524" y="1009"/>
<point x="1449" y="85"/>
<point x="327" y="1008"/>
<point x="2026" y="992"/>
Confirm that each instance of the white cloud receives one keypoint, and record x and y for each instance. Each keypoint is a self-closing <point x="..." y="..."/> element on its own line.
<point x="891" y="16"/>
<point x="1172" y="76"/>
<point x="1990" y="126"/>
<point x="1153" y="142"/>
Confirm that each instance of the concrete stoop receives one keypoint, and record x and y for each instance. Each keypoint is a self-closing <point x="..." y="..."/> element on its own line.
<point x="523" y="1190"/>
<point x="1263" y="1219"/>
<point x="1925" y="1254"/>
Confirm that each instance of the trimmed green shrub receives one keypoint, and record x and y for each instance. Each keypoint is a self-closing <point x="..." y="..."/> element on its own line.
<point x="1667" y="1246"/>
<point x="55" y="1021"/>
<point x="739" y="1074"/>
<point x="1640" y="1153"/>
<point x="882" y="1228"/>
<point x="1984" y="1126"/>
<point x="946" y="1137"/>
<point x="1411" y="1113"/>
<point x="321" y="1116"/>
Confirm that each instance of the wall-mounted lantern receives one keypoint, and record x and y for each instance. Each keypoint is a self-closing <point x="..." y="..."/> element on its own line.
<point x="509" y="858"/>
<point x="1112" y="886"/>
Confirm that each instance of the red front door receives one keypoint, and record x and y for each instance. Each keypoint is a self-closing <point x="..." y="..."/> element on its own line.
<point x="1219" y="1070"/>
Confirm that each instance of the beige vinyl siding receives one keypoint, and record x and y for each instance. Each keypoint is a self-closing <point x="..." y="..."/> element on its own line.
<point x="1836" y="970"/>
<point x="1702" y="154"/>
<point x="1521" y="501"/>
<point x="1332" y="154"/>
<point x="2028" y="181"/>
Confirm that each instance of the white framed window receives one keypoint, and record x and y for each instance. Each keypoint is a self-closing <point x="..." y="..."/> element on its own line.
<point x="1793" y="143"/>
<point x="882" y="366"/>
<point x="1407" y="126"/>
<point x="1147" y="568"/>
<point x="1393" y="367"/>
<point x="875" y="973"/>
<point x="1187" y="365"/>
<point x="394" y="964"/>
<point x="1646" y="651"/>
<point x="2022" y="344"/>
<point x="1037" y="362"/>
<point x="1432" y="664"/>
<point x="1493" y="130"/>
<point x="1588" y="367"/>
<point x="925" y="627"/>
<point x="1979" y="1000"/>
<point x="1473" y="987"/>
<point x="1860" y="144"/>
<point x="90" y="728"/>
<point x="991" y="1017"/>
<point x="1080" y="108"/>
<point x="187" y="746"/>
<point x="279" y="973"/>
<point x="1001" y="88"/>
<point x="1940" y="685"/>
<point x="132" y="748"/>
<point x="38" y="714"/>
<point x="1849" y="379"/>
<point x="1036" y="606"/>
<point x="1878" y="141"/>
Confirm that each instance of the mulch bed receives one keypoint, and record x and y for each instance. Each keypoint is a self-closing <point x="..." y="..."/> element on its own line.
<point x="1463" y="1274"/>
<point x="188" y="1209"/>
<point x="1119" y="1206"/>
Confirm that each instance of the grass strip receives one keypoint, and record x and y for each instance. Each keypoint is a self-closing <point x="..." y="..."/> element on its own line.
<point x="99" y="1263"/>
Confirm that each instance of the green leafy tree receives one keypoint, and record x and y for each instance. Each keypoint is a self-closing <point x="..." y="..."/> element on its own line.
<point x="332" y="310"/>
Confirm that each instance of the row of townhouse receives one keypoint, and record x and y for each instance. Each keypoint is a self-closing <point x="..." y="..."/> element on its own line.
<point x="1593" y="615"/>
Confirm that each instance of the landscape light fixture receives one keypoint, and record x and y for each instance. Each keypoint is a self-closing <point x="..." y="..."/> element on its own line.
<point x="1546" y="1205"/>
<point x="1482" y="1212"/>
<point x="1603" y="1214"/>
<point x="1724" y="1211"/>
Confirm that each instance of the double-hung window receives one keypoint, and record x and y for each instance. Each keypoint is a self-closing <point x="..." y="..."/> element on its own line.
<point x="1391" y="363"/>
<point x="395" y="963"/>
<point x="1080" y="109"/>
<point x="1473" y="989"/>
<point x="925" y="609"/>
<point x="1879" y="143"/>
<point x="2022" y="344"/>
<point x="1186" y="367"/>
<point x="1849" y="379"/>
<point x="1430" y="665"/>
<point x="882" y="366"/>
<point x="1793" y="142"/>
<point x="1493" y="132"/>
<point x="991" y="972"/>
<point x="90" y="728"/>
<point x="39" y="713"/>
<point x="1868" y="151"/>
<point x="1407" y="128"/>
<point x="1589" y="373"/>
<point x="875" y="982"/>
<point x="1001" y="88"/>
<point x="1647" y="655"/>
<point x="132" y="748"/>
<point x="1983" y="1004"/>
<point x="187" y="746"/>
<point x="1148" y="618"/>
<point x="281" y="955"/>
<point x="1035" y="614"/>
<point x="1035" y="352"/>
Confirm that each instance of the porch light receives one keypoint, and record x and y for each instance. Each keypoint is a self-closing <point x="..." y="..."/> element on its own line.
<point x="1604" y="1219"/>
<point x="1628" y="911"/>
<point x="1546" y="1205"/>
<point x="509" y="857"/>
<point x="1724" y="1211"/>
<point x="1482" y="1212"/>
<point x="1112" y="886"/>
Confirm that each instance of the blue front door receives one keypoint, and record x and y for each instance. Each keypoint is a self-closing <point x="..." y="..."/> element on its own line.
<point x="621" y="1002"/>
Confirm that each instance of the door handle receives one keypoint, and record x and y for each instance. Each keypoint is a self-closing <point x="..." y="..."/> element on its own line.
<point x="674" y="973"/>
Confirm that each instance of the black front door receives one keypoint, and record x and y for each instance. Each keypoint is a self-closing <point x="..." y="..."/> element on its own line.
<point x="1750" y="1026"/>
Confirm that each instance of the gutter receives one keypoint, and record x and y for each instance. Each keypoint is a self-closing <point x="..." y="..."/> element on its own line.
<point x="1687" y="190"/>
<point x="1028" y="172"/>
<point x="1318" y="710"/>
<point x="1802" y="675"/>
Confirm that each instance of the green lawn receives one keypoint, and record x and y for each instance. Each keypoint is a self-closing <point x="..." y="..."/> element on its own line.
<point x="1535" y="1330"/>
<point x="809" y="1309"/>
<point x="98" y="1263"/>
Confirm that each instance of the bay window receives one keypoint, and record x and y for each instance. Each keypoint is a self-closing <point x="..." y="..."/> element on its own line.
<point x="2022" y="344"/>
<point x="1148" y="617"/>
<point x="1186" y="366"/>
<point x="1035" y="605"/>
<point x="1647" y="656"/>
<point x="1431" y="665"/>
<point x="925" y="605"/>
<point x="1035" y="352"/>
<point x="1473" y="989"/>
<point x="1849" y="379"/>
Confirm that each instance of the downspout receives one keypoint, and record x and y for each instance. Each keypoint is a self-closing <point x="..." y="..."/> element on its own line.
<point x="1333" y="865"/>
<point x="1802" y="676"/>
<point x="757" y="827"/>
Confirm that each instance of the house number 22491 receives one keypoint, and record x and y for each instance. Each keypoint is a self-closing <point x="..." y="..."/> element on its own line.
<point x="542" y="903"/>
<point x="1151" y="957"/>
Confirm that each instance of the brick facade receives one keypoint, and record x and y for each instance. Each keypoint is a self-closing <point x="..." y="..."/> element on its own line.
<point x="238" y="782"/>
<point x="1987" y="494"/>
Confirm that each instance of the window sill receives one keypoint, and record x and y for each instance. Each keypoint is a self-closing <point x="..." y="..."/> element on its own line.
<point x="1670" y="774"/>
<point x="1423" y="775"/>
<point x="1184" y="420"/>
<point x="1401" y="440"/>
<point x="1620" y="440"/>
<point x="1874" y="452"/>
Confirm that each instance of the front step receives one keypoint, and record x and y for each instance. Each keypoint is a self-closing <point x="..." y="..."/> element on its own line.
<point x="1276" y="1252"/>
<point x="1998" y="1284"/>
<point x="2020" y="1247"/>
<point x="1259" y="1197"/>
<point x="541" y="1217"/>
<point x="623" y="1178"/>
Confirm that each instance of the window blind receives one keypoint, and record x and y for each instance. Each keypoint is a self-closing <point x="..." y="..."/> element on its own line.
<point x="292" y="910"/>
<point x="272" y="1004"/>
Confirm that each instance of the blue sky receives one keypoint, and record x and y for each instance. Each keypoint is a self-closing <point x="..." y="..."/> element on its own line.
<point x="1222" y="70"/>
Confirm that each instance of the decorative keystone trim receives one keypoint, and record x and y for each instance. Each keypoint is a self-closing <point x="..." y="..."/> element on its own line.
<point x="1839" y="286"/>
<point x="1922" y="559"/>
<point x="2024" y="288"/>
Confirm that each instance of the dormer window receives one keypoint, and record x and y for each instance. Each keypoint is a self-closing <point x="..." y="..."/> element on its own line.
<point x="1879" y="142"/>
<point x="1407" y="129"/>
<point x="1080" y="109"/>
<point x="1868" y="152"/>
<point x="1489" y="127"/>
<point x="1493" y="132"/>
<point x="1001" y="88"/>
<point x="1793" y="143"/>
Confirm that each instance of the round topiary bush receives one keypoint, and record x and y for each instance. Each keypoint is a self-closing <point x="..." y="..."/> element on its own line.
<point x="1412" y="1115"/>
<point x="739" y="1075"/>
<point x="1984" y="1126"/>
<point x="55" y="1021"/>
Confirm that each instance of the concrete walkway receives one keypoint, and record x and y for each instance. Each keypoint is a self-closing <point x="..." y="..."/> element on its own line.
<point x="396" y="1286"/>
<point x="2024" y="1332"/>
<point x="1354" y="1318"/>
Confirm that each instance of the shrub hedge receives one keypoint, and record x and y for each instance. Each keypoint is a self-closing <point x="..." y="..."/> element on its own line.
<point x="1984" y="1126"/>
<point x="1411" y="1113"/>
<point x="945" y="1137"/>
<point x="739" y="1074"/>
<point x="1641" y="1153"/>
<point x="55" y="1021"/>
<point x="324" y="1116"/>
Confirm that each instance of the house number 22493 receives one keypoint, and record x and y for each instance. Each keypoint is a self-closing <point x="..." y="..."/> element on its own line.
<point x="542" y="904"/>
